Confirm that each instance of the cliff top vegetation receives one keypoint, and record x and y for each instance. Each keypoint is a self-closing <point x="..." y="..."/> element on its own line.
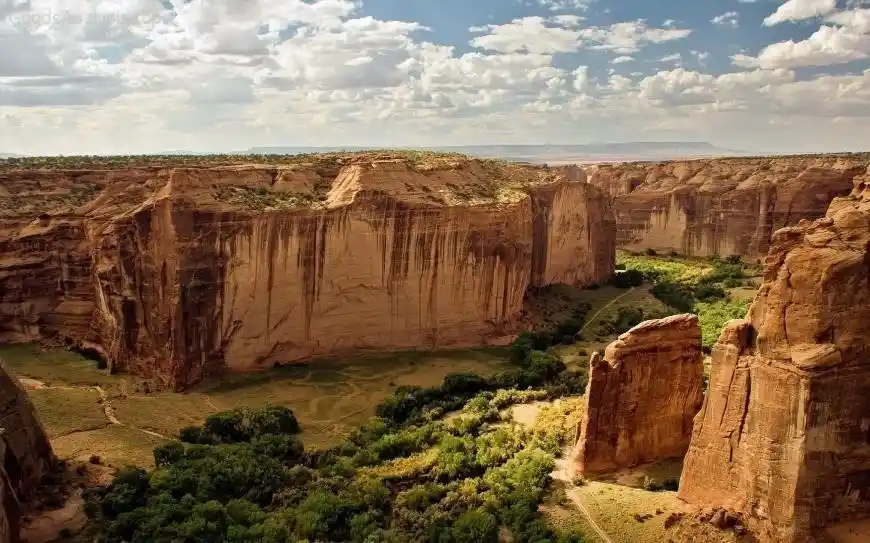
<point x="420" y="158"/>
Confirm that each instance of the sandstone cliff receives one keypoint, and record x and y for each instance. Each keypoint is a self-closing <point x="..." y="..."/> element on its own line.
<point x="642" y="396"/>
<point x="721" y="206"/>
<point x="783" y="434"/>
<point x="24" y="450"/>
<point x="177" y="273"/>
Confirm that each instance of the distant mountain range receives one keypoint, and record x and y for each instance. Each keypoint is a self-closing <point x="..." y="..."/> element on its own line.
<point x="539" y="154"/>
<point x="593" y="152"/>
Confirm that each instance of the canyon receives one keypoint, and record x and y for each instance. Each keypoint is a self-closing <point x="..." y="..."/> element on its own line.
<point x="177" y="273"/>
<point x="782" y="435"/>
<point x="722" y="206"/>
<point x="642" y="396"/>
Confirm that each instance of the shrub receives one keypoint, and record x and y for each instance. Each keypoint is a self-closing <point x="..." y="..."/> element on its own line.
<point x="475" y="526"/>
<point x="650" y="252"/>
<point x="674" y="295"/>
<point x="707" y="293"/>
<point x="733" y="282"/>
<point x="243" y="423"/>
<point x="521" y="347"/>
<point x="168" y="453"/>
<point x="628" y="278"/>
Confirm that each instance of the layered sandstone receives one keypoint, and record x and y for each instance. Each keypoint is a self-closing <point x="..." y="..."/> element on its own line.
<point x="642" y="396"/>
<point x="178" y="273"/>
<point x="24" y="450"/>
<point x="721" y="206"/>
<point x="783" y="434"/>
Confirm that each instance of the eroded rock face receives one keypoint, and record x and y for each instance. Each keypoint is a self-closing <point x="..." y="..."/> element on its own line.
<point x="720" y="206"/>
<point x="24" y="450"/>
<point x="783" y="434"/>
<point x="642" y="396"/>
<point x="185" y="272"/>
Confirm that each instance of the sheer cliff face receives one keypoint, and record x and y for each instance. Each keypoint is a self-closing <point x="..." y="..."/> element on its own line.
<point x="782" y="436"/>
<point x="195" y="271"/>
<point x="642" y="396"/>
<point x="24" y="451"/>
<point x="720" y="206"/>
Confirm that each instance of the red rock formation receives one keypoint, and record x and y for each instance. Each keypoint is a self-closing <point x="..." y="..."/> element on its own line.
<point x="24" y="450"/>
<point x="642" y="396"/>
<point x="180" y="273"/>
<point x="721" y="206"/>
<point x="783" y="434"/>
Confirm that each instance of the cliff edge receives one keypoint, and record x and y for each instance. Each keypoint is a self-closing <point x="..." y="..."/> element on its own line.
<point x="782" y="436"/>
<point x="178" y="273"/>
<point x="723" y="206"/>
<point x="25" y="453"/>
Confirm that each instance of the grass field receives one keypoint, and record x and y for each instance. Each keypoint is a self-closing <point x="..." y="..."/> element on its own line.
<point x="329" y="397"/>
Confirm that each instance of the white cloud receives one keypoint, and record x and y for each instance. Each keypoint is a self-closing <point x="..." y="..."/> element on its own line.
<point x="622" y="59"/>
<point x="827" y="46"/>
<point x="560" y="5"/>
<point x="731" y="18"/>
<point x="798" y="10"/>
<point x="630" y="36"/>
<point x="529" y="34"/>
<point x="857" y="20"/>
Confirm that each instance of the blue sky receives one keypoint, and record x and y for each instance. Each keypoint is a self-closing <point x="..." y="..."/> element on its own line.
<point x="145" y="75"/>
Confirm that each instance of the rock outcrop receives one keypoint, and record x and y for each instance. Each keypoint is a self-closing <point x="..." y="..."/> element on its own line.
<point x="783" y="435"/>
<point x="179" y="273"/>
<point x="642" y="396"/>
<point x="25" y="453"/>
<point x="724" y="206"/>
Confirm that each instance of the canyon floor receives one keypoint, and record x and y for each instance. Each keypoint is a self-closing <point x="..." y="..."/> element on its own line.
<point x="87" y="412"/>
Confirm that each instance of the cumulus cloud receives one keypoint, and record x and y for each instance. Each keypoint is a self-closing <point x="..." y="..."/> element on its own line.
<point x="798" y="10"/>
<point x="529" y="34"/>
<point x="630" y="36"/>
<point x="827" y="46"/>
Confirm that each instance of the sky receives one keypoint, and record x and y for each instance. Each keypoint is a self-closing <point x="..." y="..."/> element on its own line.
<point x="141" y="76"/>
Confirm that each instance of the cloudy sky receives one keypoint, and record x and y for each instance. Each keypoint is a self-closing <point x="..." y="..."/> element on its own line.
<point x="126" y="76"/>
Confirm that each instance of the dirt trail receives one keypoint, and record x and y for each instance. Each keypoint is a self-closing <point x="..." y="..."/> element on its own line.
<point x="587" y="515"/>
<point x="564" y="473"/>
<point x="108" y="409"/>
<point x="591" y="319"/>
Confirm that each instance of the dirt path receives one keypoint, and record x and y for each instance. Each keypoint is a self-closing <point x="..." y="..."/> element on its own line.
<point x="564" y="472"/>
<point x="108" y="409"/>
<point x="588" y="516"/>
<point x="613" y="301"/>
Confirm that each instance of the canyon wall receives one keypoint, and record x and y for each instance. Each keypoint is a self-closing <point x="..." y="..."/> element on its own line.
<point x="642" y="396"/>
<point x="783" y="433"/>
<point x="179" y="273"/>
<point x="723" y="206"/>
<point x="24" y="450"/>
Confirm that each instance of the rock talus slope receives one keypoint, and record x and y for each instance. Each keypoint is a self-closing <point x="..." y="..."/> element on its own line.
<point x="783" y="434"/>
<point x="24" y="450"/>
<point x="178" y="273"/>
<point x="642" y="396"/>
<point x="721" y="206"/>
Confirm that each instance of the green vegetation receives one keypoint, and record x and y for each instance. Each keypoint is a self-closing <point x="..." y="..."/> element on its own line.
<point x="716" y="314"/>
<point x="404" y="476"/>
<point x="419" y="471"/>
<point x="260" y="198"/>
<point x="695" y="286"/>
